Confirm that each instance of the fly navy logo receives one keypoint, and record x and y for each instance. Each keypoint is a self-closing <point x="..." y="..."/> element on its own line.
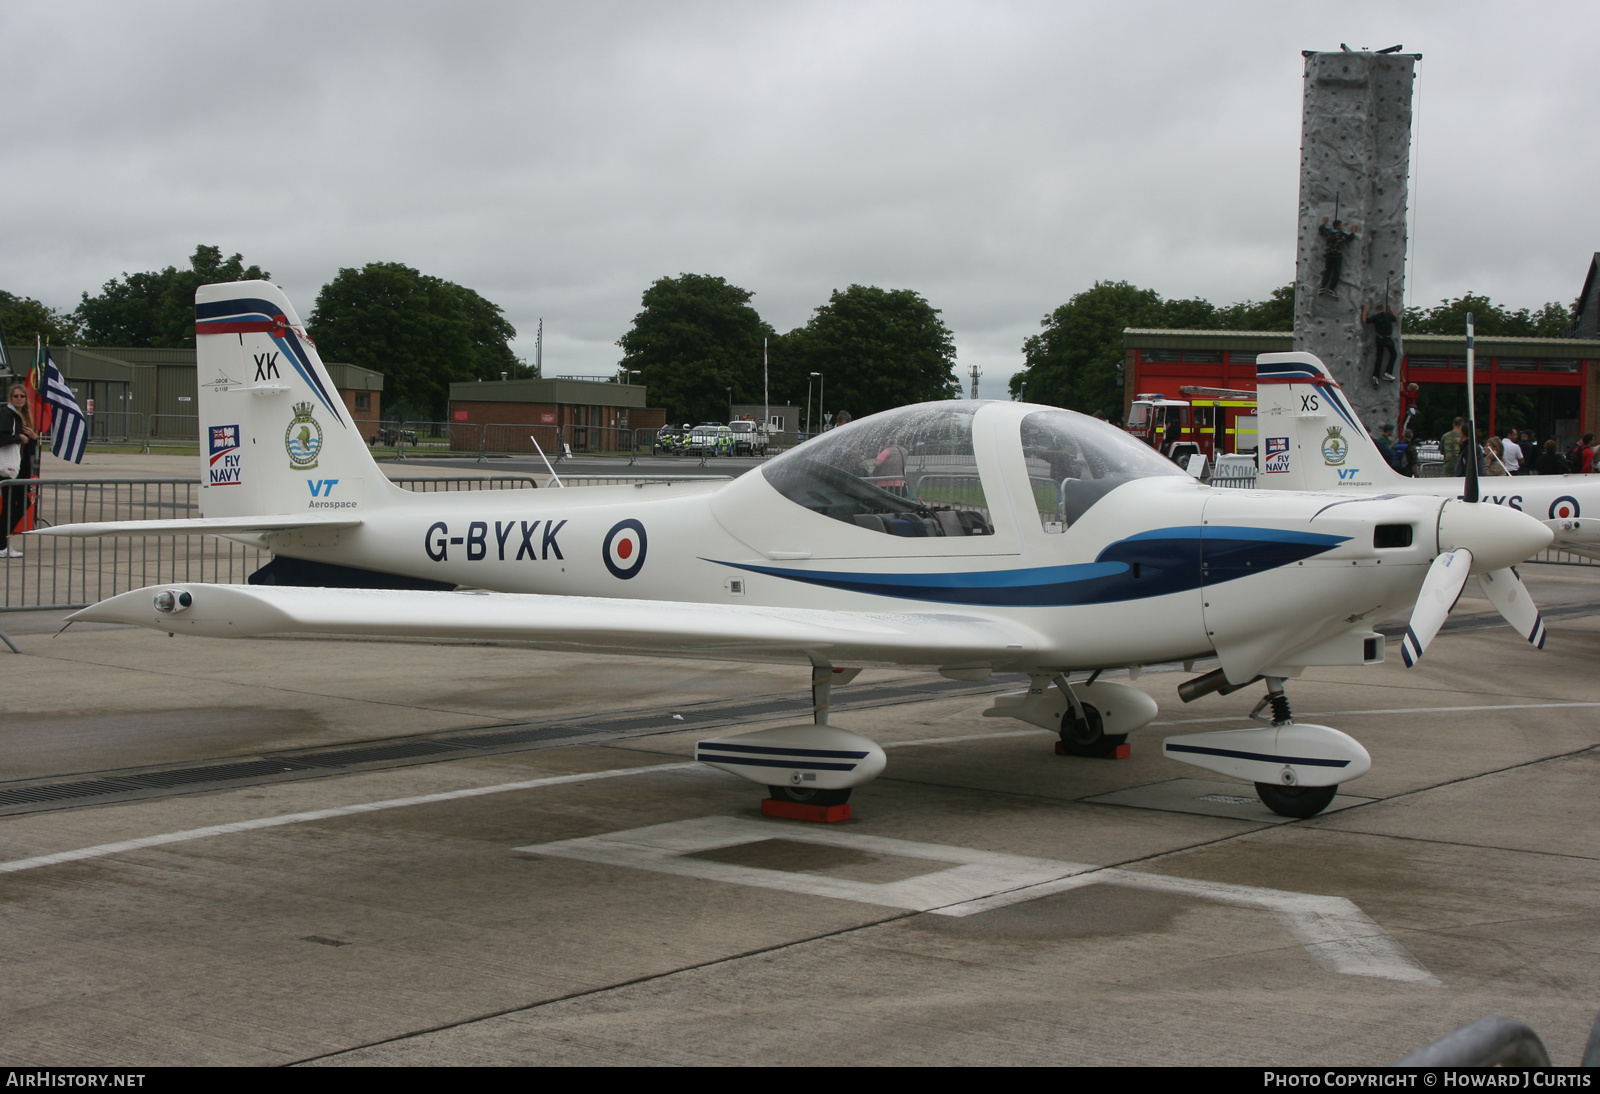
<point x="303" y="439"/>
<point x="1334" y="447"/>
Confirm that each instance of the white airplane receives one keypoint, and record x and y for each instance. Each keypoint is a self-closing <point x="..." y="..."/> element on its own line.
<point x="1311" y="439"/>
<point x="971" y="537"/>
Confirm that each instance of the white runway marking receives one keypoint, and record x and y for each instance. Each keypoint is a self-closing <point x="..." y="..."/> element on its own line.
<point x="1337" y="934"/>
<point x="1393" y="710"/>
<point x="104" y="849"/>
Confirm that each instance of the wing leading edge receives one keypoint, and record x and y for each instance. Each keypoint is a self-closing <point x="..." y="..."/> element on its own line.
<point x="662" y="628"/>
<point x="215" y="526"/>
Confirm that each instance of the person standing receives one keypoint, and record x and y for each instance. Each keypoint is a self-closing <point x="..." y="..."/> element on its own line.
<point x="1494" y="461"/>
<point x="1450" y="448"/>
<point x="1512" y="452"/>
<point x="16" y="428"/>
<point x="1385" y="442"/>
<point x="1408" y="455"/>
<point x="1552" y="462"/>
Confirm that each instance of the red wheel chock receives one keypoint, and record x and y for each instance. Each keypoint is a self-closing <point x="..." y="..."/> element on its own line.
<point x="824" y="814"/>
<point x="1121" y="752"/>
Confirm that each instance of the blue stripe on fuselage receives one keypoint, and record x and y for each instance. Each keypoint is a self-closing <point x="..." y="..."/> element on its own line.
<point x="1155" y="563"/>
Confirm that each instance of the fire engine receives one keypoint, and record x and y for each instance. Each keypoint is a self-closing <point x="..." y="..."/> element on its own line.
<point x="1211" y="421"/>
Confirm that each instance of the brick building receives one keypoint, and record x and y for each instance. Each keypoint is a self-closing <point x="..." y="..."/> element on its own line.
<point x="585" y="415"/>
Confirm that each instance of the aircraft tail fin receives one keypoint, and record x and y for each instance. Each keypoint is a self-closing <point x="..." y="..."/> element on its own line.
<point x="276" y="436"/>
<point x="1309" y="436"/>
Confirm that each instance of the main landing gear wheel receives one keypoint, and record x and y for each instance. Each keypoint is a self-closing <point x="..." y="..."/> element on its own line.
<point x="1296" y="801"/>
<point x="1088" y="736"/>
<point x="809" y="796"/>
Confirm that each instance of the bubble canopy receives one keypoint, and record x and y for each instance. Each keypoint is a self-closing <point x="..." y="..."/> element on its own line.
<point x="912" y="471"/>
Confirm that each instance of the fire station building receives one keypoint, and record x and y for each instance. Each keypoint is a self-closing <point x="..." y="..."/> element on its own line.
<point x="1548" y="385"/>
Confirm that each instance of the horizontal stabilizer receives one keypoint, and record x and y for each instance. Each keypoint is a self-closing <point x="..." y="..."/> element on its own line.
<point x="663" y="628"/>
<point x="198" y="526"/>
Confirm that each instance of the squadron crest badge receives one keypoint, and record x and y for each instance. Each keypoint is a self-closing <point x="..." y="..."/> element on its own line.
<point x="1334" y="447"/>
<point x="303" y="439"/>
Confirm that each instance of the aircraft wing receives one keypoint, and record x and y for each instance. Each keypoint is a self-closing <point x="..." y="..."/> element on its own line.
<point x="210" y="526"/>
<point x="733" y="632"/>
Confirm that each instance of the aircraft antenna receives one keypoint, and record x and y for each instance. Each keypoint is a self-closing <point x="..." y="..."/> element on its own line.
<point x="546" y="460"/>
<point x="1470" y="445"/>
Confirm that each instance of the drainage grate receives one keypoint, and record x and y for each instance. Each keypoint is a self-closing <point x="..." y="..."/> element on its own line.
<point x="1228" y="799"/>
<point x="87" y="788"/>
<point x="374" y="754"/>
<point x="525" y="736"/>
<point x="249" y="769"/>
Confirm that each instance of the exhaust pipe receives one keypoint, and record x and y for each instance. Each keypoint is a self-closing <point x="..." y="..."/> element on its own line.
<point x="1213" y="681"/>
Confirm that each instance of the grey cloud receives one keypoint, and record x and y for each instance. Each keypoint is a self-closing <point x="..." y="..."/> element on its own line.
<point x="558" y="158"/>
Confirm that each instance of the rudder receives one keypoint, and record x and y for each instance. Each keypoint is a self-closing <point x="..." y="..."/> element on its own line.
<point x="275" y="434"/>
<point x="1309" y="437"/>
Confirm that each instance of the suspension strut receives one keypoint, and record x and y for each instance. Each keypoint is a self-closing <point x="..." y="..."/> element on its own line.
<point x="1277" y="700"/>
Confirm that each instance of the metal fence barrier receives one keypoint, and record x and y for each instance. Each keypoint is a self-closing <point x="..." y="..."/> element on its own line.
<point x="59" y="573"/>
<point x="467" y="482"/>
<point x="627" y="480"/>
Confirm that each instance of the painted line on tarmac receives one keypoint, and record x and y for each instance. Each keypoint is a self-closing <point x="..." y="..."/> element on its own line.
<point x="963" y="881"/>
<point x="104" y="849"/>
<point x="1392" y="710"/>
<point x="1242" y="718"/>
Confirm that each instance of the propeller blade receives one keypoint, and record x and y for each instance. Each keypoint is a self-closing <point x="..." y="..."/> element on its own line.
<point x="1440" y="591"/>
<point x="1509" y="595"/>
<point x="1470" y="450"/>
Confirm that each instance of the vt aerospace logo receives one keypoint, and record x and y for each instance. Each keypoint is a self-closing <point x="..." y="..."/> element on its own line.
<point x="624" y="549"/>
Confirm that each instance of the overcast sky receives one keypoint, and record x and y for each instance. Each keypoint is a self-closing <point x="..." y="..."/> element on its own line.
<point x="558" y="158"/>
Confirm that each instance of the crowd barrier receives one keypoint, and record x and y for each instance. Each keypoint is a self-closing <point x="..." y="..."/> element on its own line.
<point x="60" y="573"/>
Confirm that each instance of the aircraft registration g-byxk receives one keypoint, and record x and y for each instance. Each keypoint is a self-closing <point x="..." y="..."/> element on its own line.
<point x="1311" y="440"/>
<point x="970" y="537"/>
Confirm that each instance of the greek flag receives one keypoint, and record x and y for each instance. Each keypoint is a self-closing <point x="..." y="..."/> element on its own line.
<point x="69" y="430"/>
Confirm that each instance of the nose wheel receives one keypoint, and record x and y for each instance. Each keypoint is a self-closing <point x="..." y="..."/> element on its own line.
<point x="1288" y="800"/>
<point x="1296" y="801"/>
<point x="1087" y="736"/>
<point x="809" y="796"/>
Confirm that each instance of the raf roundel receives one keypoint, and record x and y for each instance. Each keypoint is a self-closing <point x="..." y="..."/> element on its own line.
<point x="624" y="549"/>
<point x="1564" y="508"/>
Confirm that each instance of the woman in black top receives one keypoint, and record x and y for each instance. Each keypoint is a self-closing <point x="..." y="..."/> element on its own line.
<point x="16" y="427"/>
<point x="1551" y="462"/>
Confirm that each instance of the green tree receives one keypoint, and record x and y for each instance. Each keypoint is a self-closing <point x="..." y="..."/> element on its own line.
<point x="421" y="332"/>
<point x="876" y="349"/>
<point x="1554" y="320"/>
<point x="695" y="338"/>
<point x="21" y="317"/>
<point x="156" y="308"/>
<point x="1276" y="312"/>
<point x="1077" y="360"/>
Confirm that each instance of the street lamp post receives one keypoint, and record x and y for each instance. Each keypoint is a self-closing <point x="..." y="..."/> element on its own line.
<point x="813" y="376"/>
